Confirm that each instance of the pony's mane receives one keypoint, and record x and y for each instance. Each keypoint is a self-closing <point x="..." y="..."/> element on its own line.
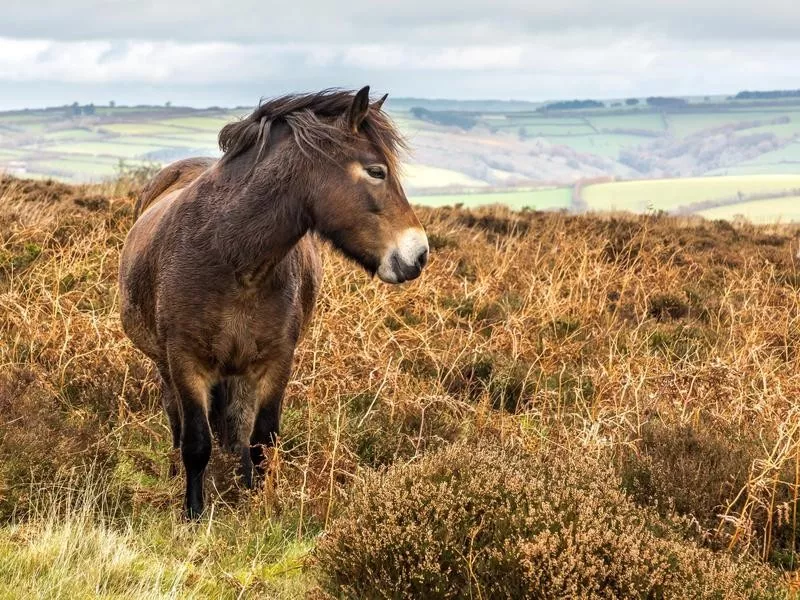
<point x="309" y="118"/>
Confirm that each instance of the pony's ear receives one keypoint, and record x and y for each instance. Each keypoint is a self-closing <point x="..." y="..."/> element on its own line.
<point x="359" y="109"/>
<point x="377" y="105"/>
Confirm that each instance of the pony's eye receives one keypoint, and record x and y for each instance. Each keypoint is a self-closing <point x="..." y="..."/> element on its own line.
<point x="377" y="171"/>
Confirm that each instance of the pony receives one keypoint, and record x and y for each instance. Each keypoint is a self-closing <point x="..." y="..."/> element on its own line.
<point x="219" y="273"/>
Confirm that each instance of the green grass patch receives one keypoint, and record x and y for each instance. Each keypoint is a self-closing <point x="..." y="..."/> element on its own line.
<point x="759" y="211"/>
<point x="539" y="199"/>
<point x="113" y="149"/>
<point x="79" y="544"/>
<point x="785" y="168"/>
<point x="203" y="123"/>
<point x="684" y="124"/>
<point x="525" y="119"/>
<point x="426" y="176"/>
<point x="79" y="170"/>
<point x="669" y="194"/>
<point x="11" y="154"/>
<point x="557" y="131"/>
<point x="142" y="128"/>
<point x="71" y="134"/>
<point x="790" y="153"/>
<point x="647" y="121"/>
<point x="602" y="144"/>
<point x="168" y="142"/>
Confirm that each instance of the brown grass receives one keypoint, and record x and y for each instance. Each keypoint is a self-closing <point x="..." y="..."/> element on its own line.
<point x="668" y="348"/>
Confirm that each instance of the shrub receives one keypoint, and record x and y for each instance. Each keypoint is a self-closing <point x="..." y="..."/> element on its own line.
<point x="695" y="470"/>
<point x="664" y="307"/>
<point x="700" y="470"/>
<point x="471" y="522"/>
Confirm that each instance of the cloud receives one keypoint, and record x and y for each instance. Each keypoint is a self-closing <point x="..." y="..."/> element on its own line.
<point x="235" y="51"/>
<point x="421" y="22"/>
<point x="583" y="56"/>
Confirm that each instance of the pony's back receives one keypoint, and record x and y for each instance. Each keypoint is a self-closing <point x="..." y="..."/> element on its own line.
<point x="174" y="176"/>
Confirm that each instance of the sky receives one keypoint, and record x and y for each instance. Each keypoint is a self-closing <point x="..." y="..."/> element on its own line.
<point x="233" y="52"/>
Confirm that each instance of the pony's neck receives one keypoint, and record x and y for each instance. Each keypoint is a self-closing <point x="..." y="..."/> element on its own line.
<point x="261" y="216"/>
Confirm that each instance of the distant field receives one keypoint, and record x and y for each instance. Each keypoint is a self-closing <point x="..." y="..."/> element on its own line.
<point x="424" y="176"/>
<point x="12" y="154"/>
<point x="167" y="142"/>
<point x="143" y="129"/>
<point x="70" y="134"/>
<point x="790" y="153"/>
<point x="758" y="169"/>
<point x="670" y="194"/>
<point x="533" y="156"/>
<point x="645" y="121"/>
<point x="603" y="144"/>
<point x="538" y="199"/>
<point x="550" y="130"/>
<point x="106" y="149"/>
<point x="205" y="123"/>
<point x="759" y="211"/>
<point x="69" y="168"/>
<point x="681" y="124"/>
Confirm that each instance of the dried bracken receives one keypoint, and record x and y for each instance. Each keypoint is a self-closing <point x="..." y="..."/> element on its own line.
<point x="668" y="348"/>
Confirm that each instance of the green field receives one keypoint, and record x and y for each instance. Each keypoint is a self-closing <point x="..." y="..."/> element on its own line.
<point x="205" y="123"/>
<point x="785" y="168"/>
<point x="113" y="149"/>
<point x="549" y="130"/>
<point x="671" y="194"/>
<point x="790" y="153"/>
<point x="644" y="121"/>
<point x="208" y="141"/>
<point x="682" y="125"/>
<point x="69" y="168"/>
<point x="606" y="145"/>
<point x="774" y="210"/>
<point x="70" y="134"/>
<point x="425" y="176"/>
<point x="538" y="199"/>
<point x="516" y="150"/>
<point x="144" y="129"/>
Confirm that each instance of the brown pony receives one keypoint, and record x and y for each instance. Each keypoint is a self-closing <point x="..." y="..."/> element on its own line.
<point x="219" y="274"/>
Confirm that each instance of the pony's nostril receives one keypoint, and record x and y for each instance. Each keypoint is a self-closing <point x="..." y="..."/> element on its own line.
<point x="422" y="259"/>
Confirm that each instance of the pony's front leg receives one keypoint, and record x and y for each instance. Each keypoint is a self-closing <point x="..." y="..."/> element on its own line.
<point x="266" y="428"/>
<point x="192" y="386"/>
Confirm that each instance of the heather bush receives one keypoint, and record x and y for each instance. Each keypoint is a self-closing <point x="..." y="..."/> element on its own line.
<point x="472" y="522"/>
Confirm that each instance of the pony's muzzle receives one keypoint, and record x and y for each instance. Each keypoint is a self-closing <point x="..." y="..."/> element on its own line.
<point x="405" y="261"/>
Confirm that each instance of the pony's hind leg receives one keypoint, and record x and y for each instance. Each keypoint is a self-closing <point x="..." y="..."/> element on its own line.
<point x="170" y="406"/>
<point x="192" y="387"/>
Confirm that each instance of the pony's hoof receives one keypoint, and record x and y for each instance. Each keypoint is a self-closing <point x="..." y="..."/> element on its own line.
<point x="193" y="513"/>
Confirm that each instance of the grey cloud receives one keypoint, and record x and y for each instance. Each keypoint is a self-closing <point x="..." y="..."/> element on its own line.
<point x="218" y="52"/>
<point x="417" y="21"/>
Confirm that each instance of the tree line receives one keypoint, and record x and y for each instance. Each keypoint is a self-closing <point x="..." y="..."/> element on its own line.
<point x="767" y="95"/>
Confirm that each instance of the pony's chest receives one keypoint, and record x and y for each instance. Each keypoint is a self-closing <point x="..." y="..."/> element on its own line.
<point x="249" y="333"/>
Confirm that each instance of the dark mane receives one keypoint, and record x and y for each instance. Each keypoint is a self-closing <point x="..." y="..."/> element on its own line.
<point x="314" y="121"/>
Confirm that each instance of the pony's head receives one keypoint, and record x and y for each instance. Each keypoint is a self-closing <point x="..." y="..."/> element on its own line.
<point x="342" y="150"/>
